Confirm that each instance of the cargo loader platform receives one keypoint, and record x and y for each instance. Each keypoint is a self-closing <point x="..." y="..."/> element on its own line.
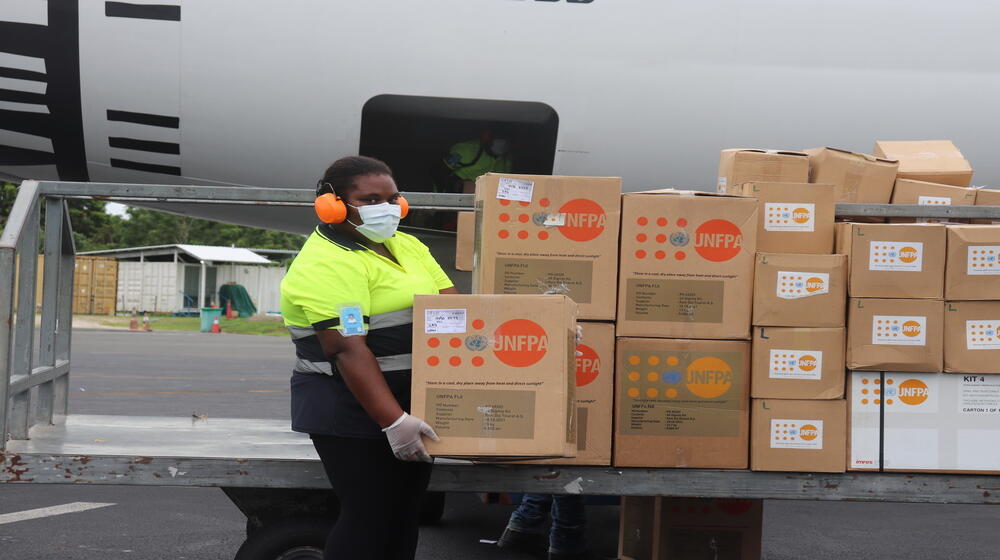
<point x="240" y="453"/>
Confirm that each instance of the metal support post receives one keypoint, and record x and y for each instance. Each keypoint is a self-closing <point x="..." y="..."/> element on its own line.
<point x="24" y="328"/>
<point x="64" y="317"/>
<point x="50" y="297"/>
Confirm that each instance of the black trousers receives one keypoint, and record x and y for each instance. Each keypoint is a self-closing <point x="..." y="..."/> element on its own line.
<point x="379" y="499"/>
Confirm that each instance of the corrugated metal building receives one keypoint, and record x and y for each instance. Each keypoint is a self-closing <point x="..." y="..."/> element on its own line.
<point x="173" y="278"/>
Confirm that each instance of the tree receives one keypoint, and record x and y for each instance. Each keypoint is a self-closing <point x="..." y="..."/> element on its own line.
<point x="150" y="227"/>
<point x="8" y="192"/>
<point x="94" y="229"/>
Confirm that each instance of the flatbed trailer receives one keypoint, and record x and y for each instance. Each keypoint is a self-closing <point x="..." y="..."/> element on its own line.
<point x="273" y="474"/>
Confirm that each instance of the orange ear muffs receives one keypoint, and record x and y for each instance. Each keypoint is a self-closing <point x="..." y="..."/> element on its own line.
<point x="330" y="209"/>
<point x="404" y="206"/>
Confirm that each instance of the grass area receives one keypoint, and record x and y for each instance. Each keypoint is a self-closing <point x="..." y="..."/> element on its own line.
<point x="233" y="326"/>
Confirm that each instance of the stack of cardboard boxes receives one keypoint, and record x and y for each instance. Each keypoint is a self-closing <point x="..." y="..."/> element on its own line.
<point x="931" y="173"/>
<point x="798" y="412"/>
<point x="537" y="235"/>
<point x="941" y="422"/>
<point x="684" y="301"/>
<point x="695" y="270"/>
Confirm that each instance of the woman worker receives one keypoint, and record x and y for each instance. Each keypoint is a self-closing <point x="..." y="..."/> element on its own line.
<point x="347" y="300"/>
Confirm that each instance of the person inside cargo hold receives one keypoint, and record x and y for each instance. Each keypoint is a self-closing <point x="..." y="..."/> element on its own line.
<point x="347" y="301"/>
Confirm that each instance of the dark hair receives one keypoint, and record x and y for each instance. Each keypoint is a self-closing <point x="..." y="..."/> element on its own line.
<point x="339" y="177"/>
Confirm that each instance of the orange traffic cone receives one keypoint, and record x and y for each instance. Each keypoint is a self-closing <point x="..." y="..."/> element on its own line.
<point x="133" y="325"/>
<point x="145" y="323"/>
<point x="229" y="309"/>
<point x="216" y="327"/>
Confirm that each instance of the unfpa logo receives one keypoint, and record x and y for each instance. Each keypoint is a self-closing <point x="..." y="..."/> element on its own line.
<point x="709" y="377"/>
<point x="801" y="215"/>
<point x="815" y="285"/>
<point x="520" y="343"/>
<point x="808" y="362"/>
<point x="913" y="392"/>
<point x="911" y="329"/>
<point x="584" y="220"/>
<point x="808" y="432"/>
<point x="588" y="365"/>
<point x="718" y="240"/>
<point x="908" y="254"/>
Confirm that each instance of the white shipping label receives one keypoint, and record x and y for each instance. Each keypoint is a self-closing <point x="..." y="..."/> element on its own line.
<point x="721" y="185"/>
<point x="933" y="201"/>
<point x="444" y="321"/>
<point x="982" y="335"/>
<point x="789" y="216"/>
<point x="979" y="394"/>
<point x="796" y="364"/>
<point x="796" y="434"/>
<point x="899" y="256"/>
<point x="515" y="189"/>
<point x="982" y="260"/>
<point x="795" y="285"/>
<point x="899" y="330"/>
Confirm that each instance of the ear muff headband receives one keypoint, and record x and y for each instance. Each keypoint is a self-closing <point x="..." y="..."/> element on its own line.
<point x="331" y="210"/>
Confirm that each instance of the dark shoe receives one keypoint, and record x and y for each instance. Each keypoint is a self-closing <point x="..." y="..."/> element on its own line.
<point x="518" y="541"/>
<point x="588" y="555"/>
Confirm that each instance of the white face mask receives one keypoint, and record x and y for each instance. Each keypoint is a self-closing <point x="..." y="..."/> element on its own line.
<point x="378" y="221"/>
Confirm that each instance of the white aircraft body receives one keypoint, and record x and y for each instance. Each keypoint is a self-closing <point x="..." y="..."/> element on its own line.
<point x="267" y="93"/>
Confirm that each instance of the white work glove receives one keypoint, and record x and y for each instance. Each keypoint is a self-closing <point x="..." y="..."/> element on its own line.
<point x="404" y="438"/>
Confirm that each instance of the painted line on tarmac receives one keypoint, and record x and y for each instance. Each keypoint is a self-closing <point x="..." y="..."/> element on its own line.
<point x="120" y="393"/>
<point x="50" y="511"/>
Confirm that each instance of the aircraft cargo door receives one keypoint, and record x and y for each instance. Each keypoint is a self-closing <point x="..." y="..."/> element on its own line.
<point x="417" y="135"/>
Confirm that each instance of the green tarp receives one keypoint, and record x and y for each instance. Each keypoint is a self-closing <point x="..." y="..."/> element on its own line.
<point x="240" y="298"/>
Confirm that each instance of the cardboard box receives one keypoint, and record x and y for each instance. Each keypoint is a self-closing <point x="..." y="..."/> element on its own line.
<point x="909" y="191"/>
<point x="738" y="166"/>
<point x="972" y="336"/>
<point x="798" y="363"/>
<point x="494" y="375"/>
<point x="936" y="161"/>
<point x="799" y="290"/>
<point x="595" y="386"/>
<point x="465" y="241"/>
<point x="681" y="403"/>
<point x="855" y="177"/>
<point x="987" y="197"/>
<point x="933" y="422"/>
<point x="798" y="435"/>
<point x="972" y="271"/>
<point x="660" y="528"/>
<point x="864" y="421"/>
<point x="686" y="265"/>
<point x="893" y="260"/>
<point x="793" y="217"/>
<point x="549" y="234"/>
<point x="895" y="334"/>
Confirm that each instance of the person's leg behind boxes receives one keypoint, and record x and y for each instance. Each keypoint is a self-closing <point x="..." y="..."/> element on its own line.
<point x="525" y="531"/>
<point x="568" y="536"/>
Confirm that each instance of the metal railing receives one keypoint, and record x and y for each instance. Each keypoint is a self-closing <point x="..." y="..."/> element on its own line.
<point x="20" y="371"/>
